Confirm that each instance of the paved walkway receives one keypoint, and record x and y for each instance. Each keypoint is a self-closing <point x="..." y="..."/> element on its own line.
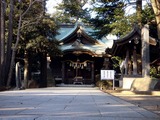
<point x="62" y="103"/>
<point x="146" y="100"/>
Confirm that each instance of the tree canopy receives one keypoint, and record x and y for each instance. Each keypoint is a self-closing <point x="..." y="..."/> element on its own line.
<point x="107" y="16"/>
<point x="27" y="28"/>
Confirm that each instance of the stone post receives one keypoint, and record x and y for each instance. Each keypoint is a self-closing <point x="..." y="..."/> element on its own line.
<point x="18" y="75"/>
<point x="50" y="82"/>
<point x="25" y="70"/>
<point x="145" y="51"/>
<point x="134" y="62"/>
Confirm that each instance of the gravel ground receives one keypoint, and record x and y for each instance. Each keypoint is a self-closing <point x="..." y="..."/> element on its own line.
<point x="149" y="102"/>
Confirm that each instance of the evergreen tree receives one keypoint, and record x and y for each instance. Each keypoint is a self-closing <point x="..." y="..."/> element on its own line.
<point x="22" y="10"/>
<point x="107" y="14"/>
<point x="40" y="39"/>
<point x="69" y="11"/>
<point x="26" y="28"/>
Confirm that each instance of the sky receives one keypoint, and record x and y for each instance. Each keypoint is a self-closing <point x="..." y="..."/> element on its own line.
<point x="51" y="4"/>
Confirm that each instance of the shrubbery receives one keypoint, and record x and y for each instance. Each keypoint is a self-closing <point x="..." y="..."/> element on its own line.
<point x="103" y="84"/>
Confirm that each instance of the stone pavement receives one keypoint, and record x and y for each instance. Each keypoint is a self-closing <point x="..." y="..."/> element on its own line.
<point x="68" y="103"/>
<point x="147" y="100"/>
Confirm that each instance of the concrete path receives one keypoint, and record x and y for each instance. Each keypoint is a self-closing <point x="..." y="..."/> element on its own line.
<point x="62" y="103"/>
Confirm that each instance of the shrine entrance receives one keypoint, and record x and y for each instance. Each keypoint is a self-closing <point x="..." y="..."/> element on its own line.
<point x="79" y="72"/>
<point x="80" y="69"/>
<point x="73" y="69"/>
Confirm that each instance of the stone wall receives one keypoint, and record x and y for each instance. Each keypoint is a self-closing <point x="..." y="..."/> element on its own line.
<point x="144" y="84"/>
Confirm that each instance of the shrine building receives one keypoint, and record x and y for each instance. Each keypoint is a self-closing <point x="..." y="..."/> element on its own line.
<point x="82" y="57"/>
<point x="130" y="49"/>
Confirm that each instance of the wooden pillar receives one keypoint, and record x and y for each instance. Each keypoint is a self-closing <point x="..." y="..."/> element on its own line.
<point x="63" y="71"/>
<point x="92" y="74"/>
<point x="43" y="69"/>
<point x="134" y="61"/>
<point x="129" y="66"/>
<point x="145" y="51"/>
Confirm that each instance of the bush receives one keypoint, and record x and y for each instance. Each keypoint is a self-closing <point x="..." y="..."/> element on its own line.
<point x="153" y="72"/>
<point x="104" y="84"/>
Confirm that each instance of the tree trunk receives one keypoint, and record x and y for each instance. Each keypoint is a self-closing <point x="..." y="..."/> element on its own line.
<point x="2" y="40"/>
<point x="43" y="69"/>
<point x="22" y="14"/>
<point x="139" y="12"/>
<point x="0" y="47"/>
<point x="156" y="8"/>
<point x="11" y="67"/>
<point x="29" y="67"/>
<point x="14" y="52"/>
<point x="9" y="42"/>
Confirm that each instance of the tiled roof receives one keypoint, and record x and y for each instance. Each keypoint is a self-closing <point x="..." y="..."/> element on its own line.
<point x="66" y="32"/>
<point x="134" y="34"/>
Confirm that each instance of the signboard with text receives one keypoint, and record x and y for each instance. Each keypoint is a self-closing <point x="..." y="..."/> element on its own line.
<point x="107" y="74"/>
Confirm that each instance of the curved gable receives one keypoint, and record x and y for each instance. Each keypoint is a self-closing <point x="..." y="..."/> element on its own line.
<point x="134" y="37"/>
<point x="78" y="33"/>
<point x="77" y="38"/>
